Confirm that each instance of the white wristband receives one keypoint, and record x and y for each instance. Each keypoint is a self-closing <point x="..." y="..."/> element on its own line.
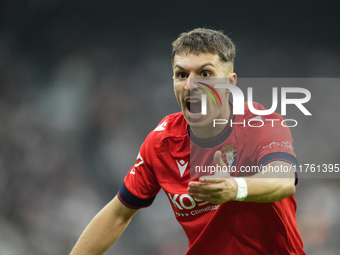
<point x="242" y="189"/>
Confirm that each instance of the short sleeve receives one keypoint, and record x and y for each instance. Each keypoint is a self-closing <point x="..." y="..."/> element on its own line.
<point x="140" y="185"/>
<point x="272" y="141"/>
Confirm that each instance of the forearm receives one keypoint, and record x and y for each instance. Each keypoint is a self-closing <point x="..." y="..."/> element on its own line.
<point x="104" y="229"/>
<point x="261" y="188"/>
<point x="267" y="187"/>
<point x="267" y="190"/>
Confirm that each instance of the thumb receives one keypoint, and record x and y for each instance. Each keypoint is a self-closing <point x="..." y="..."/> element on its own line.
<point x="219" y="162"/>
<point x="218" y="158"/>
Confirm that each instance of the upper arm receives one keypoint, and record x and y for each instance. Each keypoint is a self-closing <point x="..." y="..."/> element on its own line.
<point x="140" y="185"/>
<point x="271" y="146"/>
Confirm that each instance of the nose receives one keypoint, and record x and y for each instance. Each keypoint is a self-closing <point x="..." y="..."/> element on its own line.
<point x="190" y="85"/>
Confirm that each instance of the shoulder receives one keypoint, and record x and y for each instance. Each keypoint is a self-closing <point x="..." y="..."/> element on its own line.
<point x="173" y="125"/>
<point x="265" y="130"/>
<point x="262" y="127"/>
<point x="264" y="135"/>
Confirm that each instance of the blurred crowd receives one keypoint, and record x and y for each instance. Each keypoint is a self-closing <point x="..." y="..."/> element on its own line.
<point x="72" y="124"/>
<point x="69" y="134"/>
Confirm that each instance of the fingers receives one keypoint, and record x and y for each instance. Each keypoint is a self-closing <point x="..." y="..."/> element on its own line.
<point x="215" y="188"/>
<point x="205" y="181"/>
<point x="207" y="192"/>
<point x="208" y="198"/>
<point x="205" y="187"/>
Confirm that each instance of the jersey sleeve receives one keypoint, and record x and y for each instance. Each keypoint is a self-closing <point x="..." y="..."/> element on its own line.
<point x="140" y="185"/>
<point x="273" y="141"/>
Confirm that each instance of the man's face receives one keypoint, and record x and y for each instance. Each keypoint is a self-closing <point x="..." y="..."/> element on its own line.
<point x="205" y="67"/>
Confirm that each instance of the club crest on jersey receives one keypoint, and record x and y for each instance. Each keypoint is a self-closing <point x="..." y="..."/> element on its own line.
<point x="229" y="155"/>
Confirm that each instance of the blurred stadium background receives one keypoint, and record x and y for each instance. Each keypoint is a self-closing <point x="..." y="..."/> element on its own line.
<point x="83" y="82"/>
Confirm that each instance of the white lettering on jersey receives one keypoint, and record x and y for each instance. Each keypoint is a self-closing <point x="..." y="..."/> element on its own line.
<point x="161" y="127"/>
<point x="139" y="160"/>
<point x="173" y="200"/>
<point x="287" y="145"/>
<point x="179" y="203"/>
<point x="257" y="118"/>
<point x="132" y="171"/>
<point x="182" y="166"/>
<point x="192" y="201"/>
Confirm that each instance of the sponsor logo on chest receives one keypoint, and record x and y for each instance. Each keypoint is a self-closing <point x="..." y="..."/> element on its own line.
<point x="184" y="205"/>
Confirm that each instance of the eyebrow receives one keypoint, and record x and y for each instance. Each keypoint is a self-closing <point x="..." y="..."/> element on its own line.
<point x="202" y="66"/>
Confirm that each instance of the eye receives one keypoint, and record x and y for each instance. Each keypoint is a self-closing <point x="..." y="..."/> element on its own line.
<point x="182" y="75"/>
<point x="205" y="74"/>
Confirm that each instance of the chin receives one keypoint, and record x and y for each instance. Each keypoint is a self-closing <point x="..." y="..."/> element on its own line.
<point x="202" y="123"/>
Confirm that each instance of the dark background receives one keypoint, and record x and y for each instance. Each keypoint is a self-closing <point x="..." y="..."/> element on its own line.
<point x="83" y="82"/>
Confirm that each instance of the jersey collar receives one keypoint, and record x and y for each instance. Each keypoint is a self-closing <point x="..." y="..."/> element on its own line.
<point x="216" y="140"/>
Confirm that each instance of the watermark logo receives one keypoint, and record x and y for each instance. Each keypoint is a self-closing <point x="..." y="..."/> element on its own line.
<point x="238" y="97"/>
<point x="279" y="97"/>
<point x="204" y="97"/>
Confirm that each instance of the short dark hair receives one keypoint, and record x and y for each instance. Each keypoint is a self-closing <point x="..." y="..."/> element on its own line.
<point x="203" y="40"/>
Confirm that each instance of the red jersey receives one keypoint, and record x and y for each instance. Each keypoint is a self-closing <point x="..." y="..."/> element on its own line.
<point x="165" y="159"/>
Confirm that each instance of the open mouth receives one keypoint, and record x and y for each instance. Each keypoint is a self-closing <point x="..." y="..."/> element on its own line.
<point x="194" y="105"/>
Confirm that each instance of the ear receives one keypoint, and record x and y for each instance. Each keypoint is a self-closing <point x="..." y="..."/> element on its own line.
<point x="233" y="79"/>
